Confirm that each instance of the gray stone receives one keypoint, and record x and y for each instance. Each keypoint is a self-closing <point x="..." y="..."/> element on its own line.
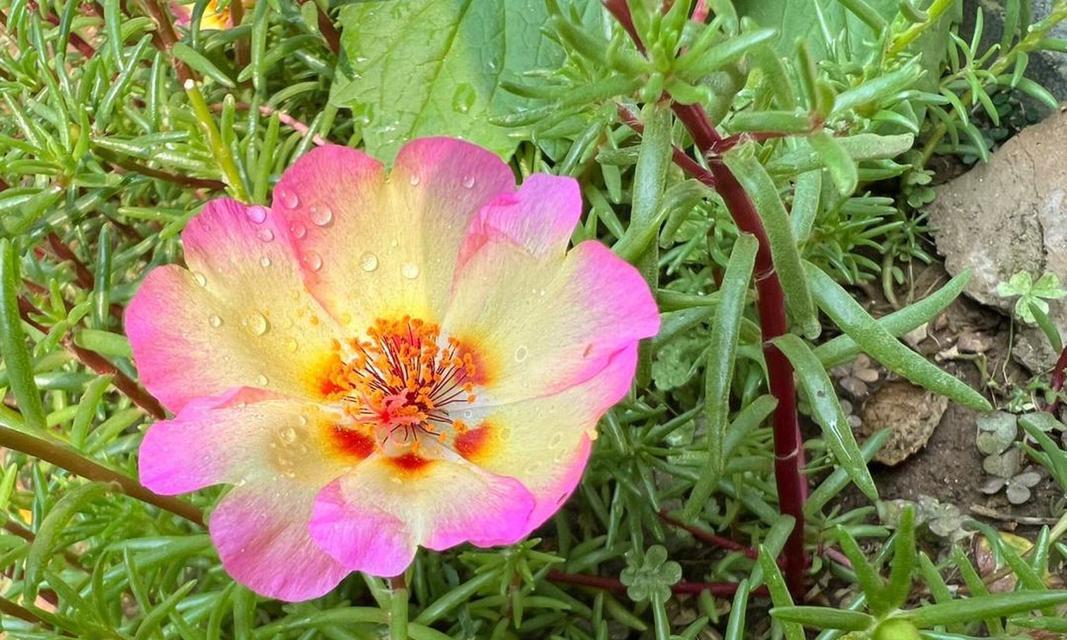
<point x="1046" y="68"/>
<point x="1010" y="215"/>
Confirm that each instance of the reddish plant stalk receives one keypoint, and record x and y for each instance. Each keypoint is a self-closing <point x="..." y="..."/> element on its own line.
<point x="788" y="448"/>
<point x="1059" y="376"/>
<point x="707" y="537"/>
<point x="720" y="589"/>
<point x="100" y="365"/>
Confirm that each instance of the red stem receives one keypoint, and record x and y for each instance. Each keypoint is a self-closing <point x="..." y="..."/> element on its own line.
<point x="721" y="589"/>
<point x="788" y="448"/>
<point x="1059" y="376"/>
<point x="708" y="537"/>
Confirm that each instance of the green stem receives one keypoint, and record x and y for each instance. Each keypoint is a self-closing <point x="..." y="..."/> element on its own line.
<point x="398" y="609"/>
<point x="222" y="153"/>
<point x="73" y="461"/>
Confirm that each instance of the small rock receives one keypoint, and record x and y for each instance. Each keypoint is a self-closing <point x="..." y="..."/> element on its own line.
<point x="1010" y="215"/>
<point x="910" y="411"/>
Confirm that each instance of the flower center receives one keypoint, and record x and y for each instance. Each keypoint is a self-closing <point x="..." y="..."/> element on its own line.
<point x="401" y="384"/>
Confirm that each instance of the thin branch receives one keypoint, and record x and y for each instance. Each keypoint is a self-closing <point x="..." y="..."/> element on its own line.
<point x="185" y="181"/>
<point x="283" y="117"/>
<point x="99" y="364"/>
<point x="708" y="537"/>
<point x="9" y="608"/>
<point x="73" y="461"/>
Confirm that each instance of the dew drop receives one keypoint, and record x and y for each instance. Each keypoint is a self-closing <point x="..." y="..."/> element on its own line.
<point x="261" y="380"/>
<point x="292" y="345"/>
<point x="257" y="215"/>
<point x="264" y="262"/>
<point x="468" y="182"/>
<point x="266" y="235"/>
<point x="463" y="98"/>
<point x="288" y="435"/>
<point x="313" y="261"/>
<point x="303" y="420"/>
<point x="200" y="279"/>
<point x="521" y="353"/>
<point x="414" y="180"/>
<point x="215" y="321"/>
<point x="504" y="434"/>
<point x="257" y="324"/>
<point x="368" y="261"/>
<point x="410" y="270"/>
<point x="298" y="230"/>
<point x="321" y="216"/>
<point x="288" y="198"/>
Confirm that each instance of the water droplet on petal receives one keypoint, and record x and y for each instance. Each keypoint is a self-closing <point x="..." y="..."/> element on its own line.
<point x="200" y="279"/>
<point x="521" y="353"/>
<point x="410" y="270"/>
<point x="321" y="216"/>
<point x="257" y="324"/>
<point x="292" y="345"/>
<point x="264" y="262"/>
<point x="368" y="261"/>
<point x="256" y="214"/>
<point x="261" y="380"/>
<point x="414" y="180"/>
<point x="313" y="260"/>
<point x="288" y="198"/>
<point x="298" y="230"/>
<point x="214" y="321"/>
<point x="468" y="182"/>
<point x="266" y="235"/>
<point x="303" y="420"/>
<point x="288" y="435"/>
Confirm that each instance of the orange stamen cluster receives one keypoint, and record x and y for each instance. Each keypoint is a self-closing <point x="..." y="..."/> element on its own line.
<point x="402" y="379"/>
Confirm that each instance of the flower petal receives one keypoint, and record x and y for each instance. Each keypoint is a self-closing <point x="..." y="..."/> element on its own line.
<point x="548" y="323"/>
<point x="545" y="442"/>
<point x="240" y="315"/>
<point x="280" y="453"/>
<point x="377" y="247"/>
<point x="373" y="518"/>
<point x="260" y="531"/>
<point x="539" y="217"/>
<point x="243" y="435"/>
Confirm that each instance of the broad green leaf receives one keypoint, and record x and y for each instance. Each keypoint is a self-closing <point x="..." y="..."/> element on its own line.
<point x="722" y="352"/>
<point x="851" y="318"/>
<point x="827" y="411"/>
<point x="416" y="68"/>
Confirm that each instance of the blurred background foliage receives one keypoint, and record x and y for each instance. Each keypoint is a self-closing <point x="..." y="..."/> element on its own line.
<point x="117" y="125"/>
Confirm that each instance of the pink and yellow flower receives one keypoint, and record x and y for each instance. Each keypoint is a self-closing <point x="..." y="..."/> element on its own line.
<point x="215" y="16"/>
<point x="382" y="361"/>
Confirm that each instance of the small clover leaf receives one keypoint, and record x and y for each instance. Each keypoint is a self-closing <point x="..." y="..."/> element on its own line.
<point x="1022" y="284"/>
<point x="653" y="578"/>
<point x="996" y="432"/>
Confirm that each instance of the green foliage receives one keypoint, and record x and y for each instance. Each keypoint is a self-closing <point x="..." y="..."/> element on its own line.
<point x="116" y="129"/>
<point x="1031" y="293"/>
